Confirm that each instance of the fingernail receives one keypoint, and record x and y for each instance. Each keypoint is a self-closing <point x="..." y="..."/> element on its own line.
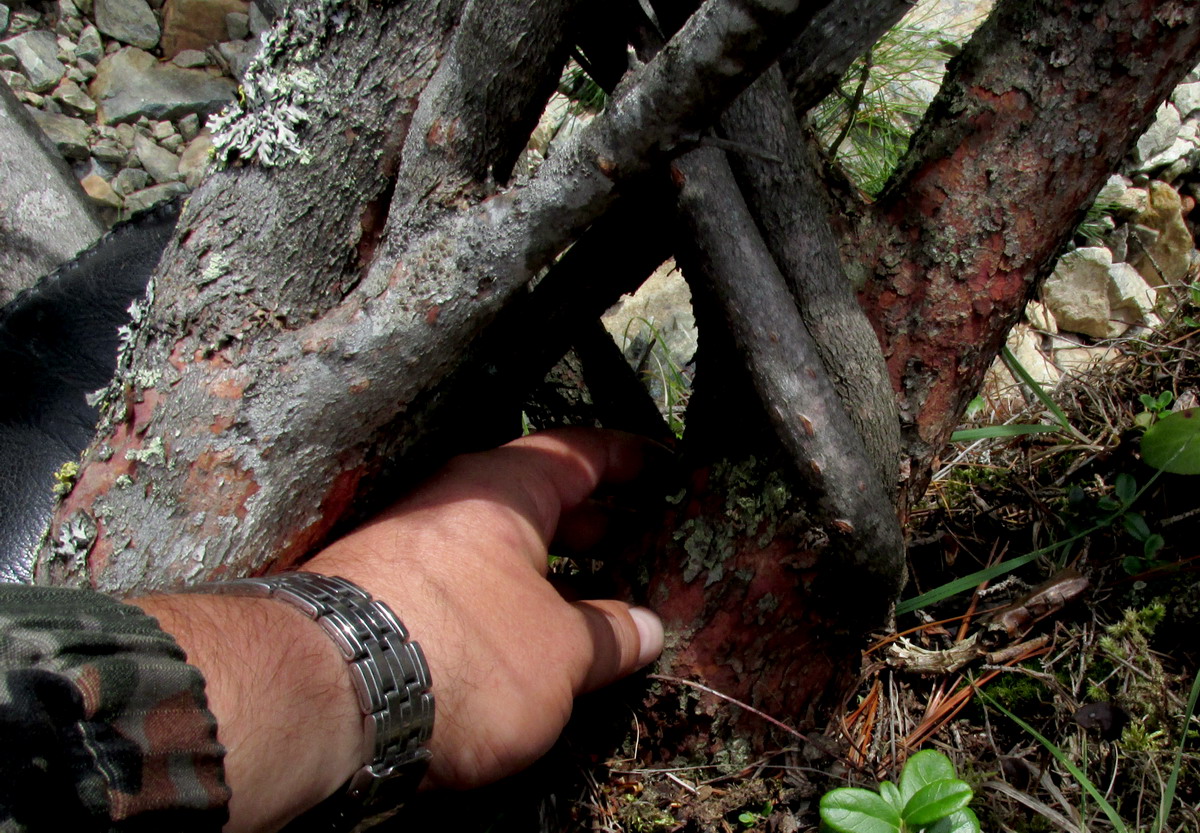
<point x="650" y="634"/>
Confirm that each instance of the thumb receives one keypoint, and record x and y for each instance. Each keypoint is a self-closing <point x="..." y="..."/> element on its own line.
<point x="623" y="639"/>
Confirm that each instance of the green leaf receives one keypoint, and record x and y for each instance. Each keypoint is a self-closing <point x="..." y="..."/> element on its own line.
<point x="964" y="821"/>
<point x="1136" y="526"/>
<point x="1148" y="401"/>
<point x="1153" y="544"/>
<point x="891" y="795"/>
<point x="1164" y="400"/>
<point x="935" y="801"/>
<point x="1125" y="487"/>
<point x="854" y="810"/>
<point x="1171" y="444"/>
<point x="987" y="432"/>
<point x="924" y="768"/>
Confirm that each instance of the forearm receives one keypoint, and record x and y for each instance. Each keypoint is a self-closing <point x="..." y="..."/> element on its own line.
<point x="285" y="706"/>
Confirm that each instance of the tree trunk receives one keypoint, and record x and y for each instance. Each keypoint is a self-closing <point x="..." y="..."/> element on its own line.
<point x="331" y="301"/>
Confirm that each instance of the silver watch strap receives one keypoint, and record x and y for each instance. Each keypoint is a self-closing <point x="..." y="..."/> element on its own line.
<point x="389" y="672"/>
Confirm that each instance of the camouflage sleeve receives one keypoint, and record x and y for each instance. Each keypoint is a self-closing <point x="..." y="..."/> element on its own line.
<point x="104" y="724"/>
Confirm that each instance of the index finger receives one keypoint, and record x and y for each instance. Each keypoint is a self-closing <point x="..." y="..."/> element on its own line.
<point x="532" y="481"/>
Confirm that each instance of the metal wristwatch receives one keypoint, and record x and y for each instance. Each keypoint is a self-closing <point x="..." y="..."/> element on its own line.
<point x="390" y="676"/>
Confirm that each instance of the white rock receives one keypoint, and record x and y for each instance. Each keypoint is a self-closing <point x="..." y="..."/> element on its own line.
<point x="1187" y="98"/>
<point x="1025" y="345"/>
<point x="1161" y="134"/>
<point x="1077" y="291"/>
<point x="661" y="308"/>
<point x="1040" y="318"/>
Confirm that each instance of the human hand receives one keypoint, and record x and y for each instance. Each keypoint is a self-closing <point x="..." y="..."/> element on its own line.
<point x="463" y="561"/>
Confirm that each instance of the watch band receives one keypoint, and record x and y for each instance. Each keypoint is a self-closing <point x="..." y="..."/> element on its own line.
<point x="389" y="672"/>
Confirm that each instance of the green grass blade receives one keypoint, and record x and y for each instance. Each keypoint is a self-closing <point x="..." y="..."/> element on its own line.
<point x="1168" y="797"/>
<point x="986" y="433"/>
<point x="1018" y="370"/>
<point x="1083" y="780"/>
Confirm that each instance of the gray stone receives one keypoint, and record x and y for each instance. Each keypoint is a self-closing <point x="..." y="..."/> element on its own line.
<point x="86" y="68"/>
<point x="89" y="47"/>
<point x="130" y="180"/>
<point x="189" y="126"/>
<point x="49" y="105"/>
<point x="238" y="54"/>
<point x="194" y="162"/>
<point x="173" y="143"/>
<point x="1127" y="291"/>
<point x="1184" y="144"/>
<point x="1187" y="98"/>
<point x="15" y="80"/>
<point x="37" y="55"/>
<point x="75" y="99"/>
<point x="25" y="20"/>
<point x="1160" y="135"/>
<point x="8" y="62"/>
<point x="4" y="15"/>
<point x="69" y="135"/>
<point x="109" y="152"/>
<point x="126" y="133"/>
<point x="159" y="162"/>
<point x="85" y="7"/>
<point x="69" y="26"/>
<point x="237" y="25"/>
<point x="161" y="130"/>
<point x="258" y="21"/>
<point x="44" y="217"/>
<point x="132" y="84"/>
<point x="129" y="21"/>
<point x="66" y="50"/>
<point x="190" y="58"/>
<point x="154" y="195"/>
<point x="75" y="75"/>
<point x="659" y="311"/>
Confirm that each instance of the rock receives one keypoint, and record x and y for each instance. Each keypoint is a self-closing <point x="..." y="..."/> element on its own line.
<point x="238" y="54"/>
<point x="4" y="15"/>
<point x="161" y="130"/>
<point x="195" y="159"/>
<point x="25" y="20"/>
<point x="661" y="309"/>
<point x="196" y="24"/>
<point x="31" y="98"/>
<point x="259" y="22"/>
<point x="1040" y="318"/>
<point x="100" y="191"/>
<point x="159" y="162"/>
<point x="1185" y="144"/>
<point x="86" y="69"/>
<point x="69" y="135"/>
<point x="1162" y="247"/>
<point x="85" y="7"/>
<point x="89" y="48"/>
<point x="1076" y="358"/>
<point x="15" y="80"/>
<point x="73" y="74"/>
<point x="1128" y="292"/>
<point x="69" y="26"/>
<point x="237" y="25"/>
<point x="126" y="133"/>
<point x="172" y="143"/>
<point x="131" y="84"/>
<point x="189" y="126"/>
<point x="130" y="180"/>
<point x="74" y="98"/>
<point x="1187" y="98"/>
<point x="8" y="62"/>
<point x="108" y="152"/>
<point x="1025" y="345"/>
<point x="1160" y="135"/>
<point x="152" y="196"/>
<point x="37" y="55"/>
<point x="129" y="21"/>
<point x="190" y="58"/>
<point x="66" y="50"/>
<point x="1078" y="293"/>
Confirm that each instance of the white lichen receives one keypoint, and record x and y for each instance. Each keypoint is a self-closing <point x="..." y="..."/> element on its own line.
<point x="153" y="453"/>
<point x="278" y="93"/>
<point x="74" y="540"/>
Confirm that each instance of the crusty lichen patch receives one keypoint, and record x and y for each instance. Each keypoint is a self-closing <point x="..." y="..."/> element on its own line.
<point x="755" y="497"/>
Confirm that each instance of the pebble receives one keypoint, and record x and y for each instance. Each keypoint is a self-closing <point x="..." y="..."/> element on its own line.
<point x="190" y="59"/>
<point x="129" y="21"/>
<point x="161" y="130"/>
<point x="15" y="80"/>
<point x="130" y="180"/>
<point x="194" y="161"/>
<point x="89" y="48"/>
<point x="8" y="62"/>
<point x="86" y="68"/>
<point x="74" y="98"/>
<point x="154" y="195"/>
<point x="237" y="25"/>
<point x="100" y="191"/>
<point x="108" y="151"/>
<point x="70" y="135"/>
<point x="189" y="126"/>
<point x="4" y="15"/>
<point x="159" y="162"/>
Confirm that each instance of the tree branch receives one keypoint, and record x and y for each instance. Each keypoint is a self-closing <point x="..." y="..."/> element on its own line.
<point x="1039" y="109"/>
<point x="786" y="369"/>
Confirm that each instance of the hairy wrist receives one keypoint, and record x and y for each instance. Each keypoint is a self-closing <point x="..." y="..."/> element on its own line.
<point x="285" y="706"/>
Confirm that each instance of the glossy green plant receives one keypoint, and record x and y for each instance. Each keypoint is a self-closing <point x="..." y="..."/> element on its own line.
<point x="930" y="798"/>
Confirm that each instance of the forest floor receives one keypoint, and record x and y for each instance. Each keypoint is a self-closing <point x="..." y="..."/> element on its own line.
<point x="1085" y="632"/>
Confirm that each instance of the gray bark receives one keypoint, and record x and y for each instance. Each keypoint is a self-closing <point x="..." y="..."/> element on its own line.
<point x="45" y="217"/>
